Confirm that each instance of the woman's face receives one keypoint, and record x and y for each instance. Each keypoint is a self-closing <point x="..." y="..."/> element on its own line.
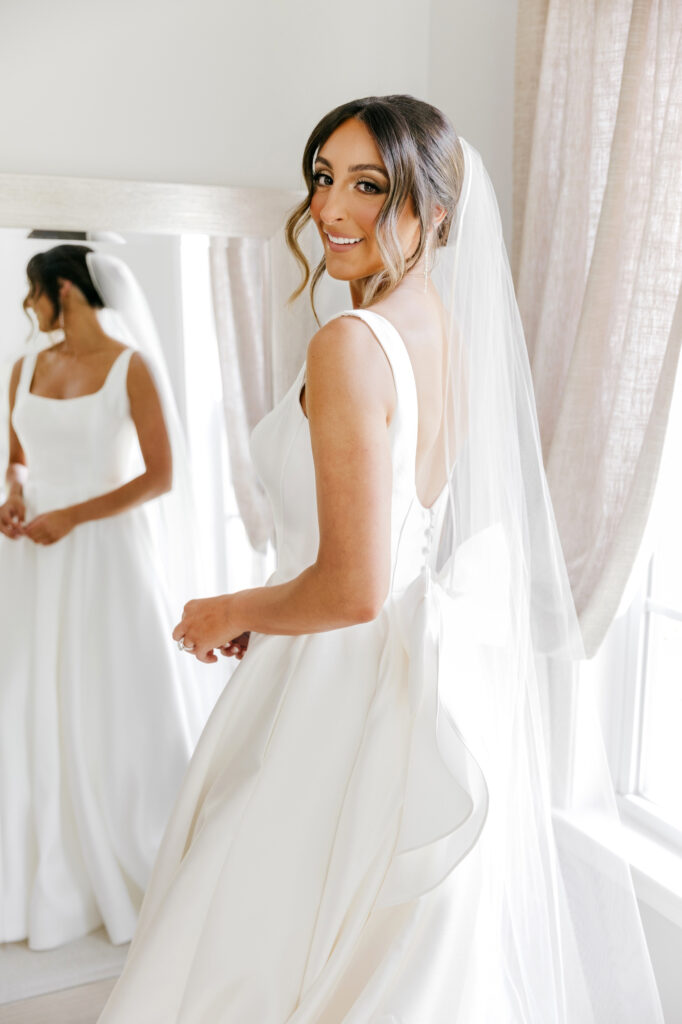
<point x="351" y="184"/>
<point x="41" y="305"/>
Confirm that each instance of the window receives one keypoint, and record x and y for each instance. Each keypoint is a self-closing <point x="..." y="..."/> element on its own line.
<point x="650" y="776"/>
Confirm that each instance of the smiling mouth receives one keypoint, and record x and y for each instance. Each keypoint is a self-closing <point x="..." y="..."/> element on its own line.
<point x="339" y="243"/>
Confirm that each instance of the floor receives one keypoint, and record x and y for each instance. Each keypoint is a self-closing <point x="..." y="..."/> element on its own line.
<point x="69" y="984"/>
<point x="81" y="1005"/>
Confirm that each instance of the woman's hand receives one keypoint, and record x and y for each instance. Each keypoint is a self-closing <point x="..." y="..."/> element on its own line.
<point x="50" y="526"/>
<point x="12" y="516"/>
<point x="237" y="647"/>
<point x="207" y="624"/>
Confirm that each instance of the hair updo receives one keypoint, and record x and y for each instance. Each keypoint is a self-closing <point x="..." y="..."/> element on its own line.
<point x="65" y="262"/>
<point x="423" y="157"/>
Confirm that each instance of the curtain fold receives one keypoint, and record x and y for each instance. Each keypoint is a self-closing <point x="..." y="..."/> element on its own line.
<point x="597" y="259"/>
<point x="240" y="284"/>
<point x="262" y="341"/>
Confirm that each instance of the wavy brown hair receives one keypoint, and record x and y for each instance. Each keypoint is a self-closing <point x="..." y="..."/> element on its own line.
<point x="423" y="158"/>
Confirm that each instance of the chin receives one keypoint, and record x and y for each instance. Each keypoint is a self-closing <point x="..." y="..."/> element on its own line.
<point x="339" y="274"/>
<point x="341" y="270"/>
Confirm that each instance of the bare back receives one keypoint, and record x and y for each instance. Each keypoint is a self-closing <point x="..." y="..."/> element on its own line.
<point x="419" y="319"/>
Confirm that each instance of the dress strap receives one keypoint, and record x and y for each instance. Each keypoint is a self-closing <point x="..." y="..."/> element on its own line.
<point x="115" y="385"/>
<point x="401" y="366"/>
<point x="118" y="371"/>
<point x="28" y="365"/>
<point x="405" y="421"/>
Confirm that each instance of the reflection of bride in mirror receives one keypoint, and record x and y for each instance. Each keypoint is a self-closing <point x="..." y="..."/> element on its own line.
<point x="98" y="715"/>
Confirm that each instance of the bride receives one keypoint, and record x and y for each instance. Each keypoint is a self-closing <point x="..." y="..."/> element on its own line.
<point x="97" y="719"/>
<point x="364" y="832"/>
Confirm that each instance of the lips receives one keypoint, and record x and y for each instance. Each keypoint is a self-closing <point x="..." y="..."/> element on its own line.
<point x="341" y="243"/>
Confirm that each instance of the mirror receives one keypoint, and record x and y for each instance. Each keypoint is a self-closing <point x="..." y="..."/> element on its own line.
<point x="79" y="771"/>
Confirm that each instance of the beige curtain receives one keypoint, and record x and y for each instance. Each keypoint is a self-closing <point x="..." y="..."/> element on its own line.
<point x="261" y="345"/>
<point x="597" y="259"/>
<point x="240" y="283"/>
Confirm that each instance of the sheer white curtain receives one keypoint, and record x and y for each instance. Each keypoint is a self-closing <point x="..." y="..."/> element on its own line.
<point x="597" y="257"/>
<point x="261" y="344"/>
<point x="240" y="283"/>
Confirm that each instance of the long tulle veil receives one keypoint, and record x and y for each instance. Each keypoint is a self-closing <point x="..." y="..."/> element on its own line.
<point x="556" y="923"/>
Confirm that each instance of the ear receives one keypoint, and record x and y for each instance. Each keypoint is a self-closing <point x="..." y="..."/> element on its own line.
<point x="438" y="215"/>
<point x="64" y="286"/>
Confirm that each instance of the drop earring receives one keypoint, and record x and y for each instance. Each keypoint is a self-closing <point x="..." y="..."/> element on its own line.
<point x="426" y="265"/>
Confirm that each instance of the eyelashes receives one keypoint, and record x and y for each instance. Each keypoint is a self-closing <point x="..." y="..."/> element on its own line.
<point x="371" y="186"/>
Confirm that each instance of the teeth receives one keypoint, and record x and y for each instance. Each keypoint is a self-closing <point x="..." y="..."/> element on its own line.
<point x="341" y="241"/>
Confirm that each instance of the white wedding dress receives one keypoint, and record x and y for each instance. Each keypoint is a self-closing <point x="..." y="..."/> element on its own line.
<point x="306" y="875"/>
<point x="99" y="713"/>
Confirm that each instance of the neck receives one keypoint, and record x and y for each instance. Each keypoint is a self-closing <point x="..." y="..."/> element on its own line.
<point x="82" y="331"/>
<point x="413" y="280"/>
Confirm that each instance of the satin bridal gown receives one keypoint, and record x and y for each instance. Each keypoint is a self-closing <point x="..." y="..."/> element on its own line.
<point x="306" y="875"/>
<point x="98" y="714"/>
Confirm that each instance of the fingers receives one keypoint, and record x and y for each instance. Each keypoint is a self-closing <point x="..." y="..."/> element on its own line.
<point x="236" y="648"/>
<point x="232" y="651"/>
<point x="207" y="655"/>
<point x="12" y="523"/>
<point x="197" y="627"/>
<point x="33" y="533"/>
<point x="38" y="532"/>
<point x="34" y="530"/>
<point x="11" y="529"/>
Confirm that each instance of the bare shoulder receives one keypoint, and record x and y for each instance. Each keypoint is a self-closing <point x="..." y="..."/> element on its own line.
<point x="16" y="372"/>
<point x="345" y="359"/>
<point x="14" y="379"/>
<point x="140" y="381"/>
<point x="138" y="369"/>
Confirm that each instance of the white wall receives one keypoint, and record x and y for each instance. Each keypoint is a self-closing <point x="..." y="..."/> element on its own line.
<point x="471" y="78"/>
<point x="203" y="91"/>
<point x="221" y="92"/>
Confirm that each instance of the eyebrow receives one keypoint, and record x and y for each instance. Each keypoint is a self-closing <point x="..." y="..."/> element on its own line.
<point x="356" y="167"/>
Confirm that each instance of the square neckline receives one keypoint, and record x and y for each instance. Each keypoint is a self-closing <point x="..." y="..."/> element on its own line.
<point x="73" y="398"/>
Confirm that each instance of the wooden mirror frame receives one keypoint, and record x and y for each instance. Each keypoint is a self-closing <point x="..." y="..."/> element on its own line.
<point x="100" y="204"/>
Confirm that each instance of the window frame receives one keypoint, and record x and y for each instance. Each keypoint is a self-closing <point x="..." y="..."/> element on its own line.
<point x="628" y="743"/>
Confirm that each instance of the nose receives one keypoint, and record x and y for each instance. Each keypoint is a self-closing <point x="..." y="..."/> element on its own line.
<point x="332" y="210"/>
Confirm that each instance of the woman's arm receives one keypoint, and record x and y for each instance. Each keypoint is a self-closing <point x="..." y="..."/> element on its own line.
<point x="350" y="397"/>
<point x="13" y="511"/>
<point x="147" y="415"/>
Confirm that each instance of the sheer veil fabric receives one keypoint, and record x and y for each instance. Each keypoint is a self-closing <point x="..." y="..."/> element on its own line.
<point x="552" y="909"/>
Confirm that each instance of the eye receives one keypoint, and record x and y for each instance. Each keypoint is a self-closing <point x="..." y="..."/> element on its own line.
<point x="370" y="188"/>
<point x="319" y="175"/>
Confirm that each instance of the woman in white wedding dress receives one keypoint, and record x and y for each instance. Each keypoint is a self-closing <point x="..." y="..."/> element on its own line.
<point x="97" y="718"/>
<point x="343" y="849"/>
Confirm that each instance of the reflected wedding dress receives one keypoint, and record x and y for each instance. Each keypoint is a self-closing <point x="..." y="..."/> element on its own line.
<point x="306" y="873"/>
<point x="98" y="714"/>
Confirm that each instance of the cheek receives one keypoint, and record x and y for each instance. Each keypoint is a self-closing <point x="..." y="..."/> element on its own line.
<point x="367" y="215"/>
<point x="47" y="313"/>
